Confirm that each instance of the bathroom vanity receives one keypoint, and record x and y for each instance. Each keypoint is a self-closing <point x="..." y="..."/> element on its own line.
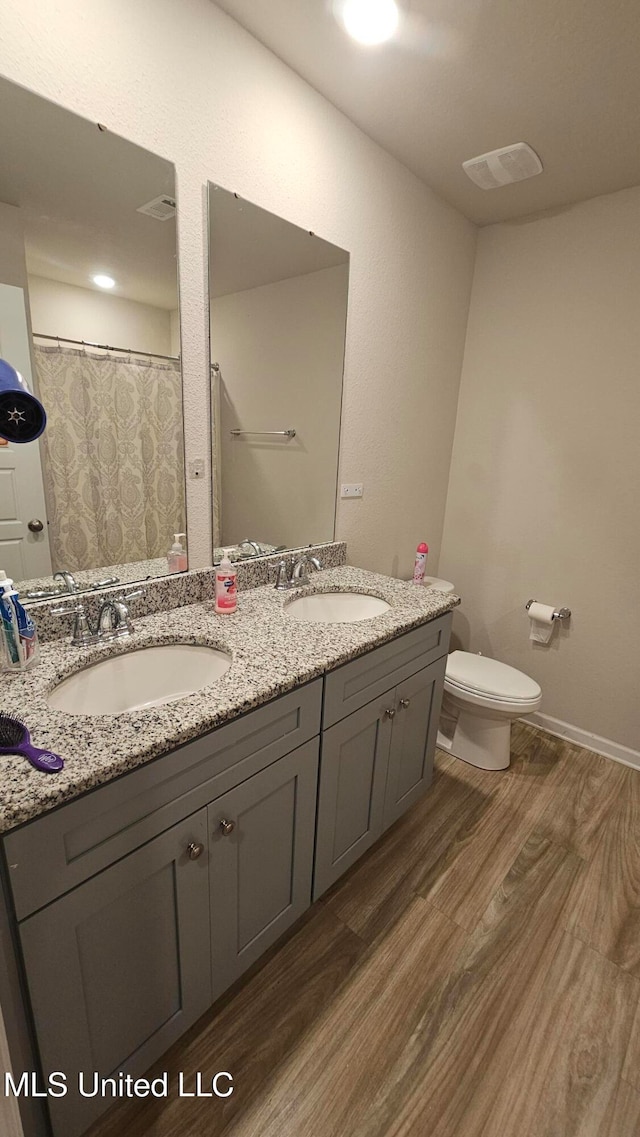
<point x="137" y="904"/>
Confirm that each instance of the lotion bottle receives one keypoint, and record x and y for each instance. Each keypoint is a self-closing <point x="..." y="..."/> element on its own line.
<point x="226" y="591"/>
<point x="177" y="557"/>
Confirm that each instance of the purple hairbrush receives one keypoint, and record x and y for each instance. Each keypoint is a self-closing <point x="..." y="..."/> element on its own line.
<point x="15" y="739"/>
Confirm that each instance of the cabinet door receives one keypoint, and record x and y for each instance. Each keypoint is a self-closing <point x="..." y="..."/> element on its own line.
<point x="353" y="772"/>
<point x="261" y="857"/>
<point x="413" y="739"/>
<point x="119" y="968"/>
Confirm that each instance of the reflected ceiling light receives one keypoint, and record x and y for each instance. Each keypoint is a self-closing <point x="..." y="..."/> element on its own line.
<point x="103" y="281"/>
<point x="370" y="21"/>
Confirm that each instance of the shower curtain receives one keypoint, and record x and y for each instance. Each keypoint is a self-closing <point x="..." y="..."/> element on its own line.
<point x="113" y="456"/>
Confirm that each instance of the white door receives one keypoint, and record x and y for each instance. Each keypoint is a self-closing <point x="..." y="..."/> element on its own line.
<point x="24" y="551"/>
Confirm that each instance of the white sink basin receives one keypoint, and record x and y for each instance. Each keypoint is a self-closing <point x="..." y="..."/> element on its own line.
<point x="146" y="677"/>
<point x="336" y="607"/>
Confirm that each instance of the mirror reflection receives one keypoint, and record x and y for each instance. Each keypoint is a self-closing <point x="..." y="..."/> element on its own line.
<point x="278" y="296"/>
<point x="89" y="317"/>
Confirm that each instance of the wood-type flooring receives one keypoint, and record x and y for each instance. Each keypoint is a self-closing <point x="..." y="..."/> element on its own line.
<point x="476" y="974"/>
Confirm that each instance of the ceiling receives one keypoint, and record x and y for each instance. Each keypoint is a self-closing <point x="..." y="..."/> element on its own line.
<point x="250" y="247"/>
<point x="466" y="76"/>
<point x="78" y="189"/>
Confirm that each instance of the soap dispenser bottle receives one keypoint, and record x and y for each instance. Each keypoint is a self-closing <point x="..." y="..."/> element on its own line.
<point x="226" y="590"/>
<point x="177" y="557"/>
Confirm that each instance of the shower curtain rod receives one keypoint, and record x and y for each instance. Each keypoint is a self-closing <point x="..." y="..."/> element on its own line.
<point x="106" y="347"/>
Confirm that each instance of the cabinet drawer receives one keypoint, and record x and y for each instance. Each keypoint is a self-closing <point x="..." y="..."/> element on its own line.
<point x="56" y="852"/>
<point x="357" y="683"/>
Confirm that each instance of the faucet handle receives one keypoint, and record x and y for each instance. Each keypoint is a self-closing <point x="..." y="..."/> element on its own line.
<point x="283" y="575"/>
<point x="132" y="595"/>
<point x="109" y="580"/>
<point x="82" y="633"/>
<point x="68" y="609"/>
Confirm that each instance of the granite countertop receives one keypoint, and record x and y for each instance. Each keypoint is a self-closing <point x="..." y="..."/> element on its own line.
<point x="271" y="653"/>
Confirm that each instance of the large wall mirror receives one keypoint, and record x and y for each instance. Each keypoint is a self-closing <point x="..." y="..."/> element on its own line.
<point x="278" y="298"/>
<point x="89" y="317"/>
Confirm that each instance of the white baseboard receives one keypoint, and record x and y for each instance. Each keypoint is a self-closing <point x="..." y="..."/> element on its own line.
<point x="584" y="738"/>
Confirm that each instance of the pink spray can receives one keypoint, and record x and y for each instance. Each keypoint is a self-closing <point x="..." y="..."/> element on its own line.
<point x="420" y="563"/>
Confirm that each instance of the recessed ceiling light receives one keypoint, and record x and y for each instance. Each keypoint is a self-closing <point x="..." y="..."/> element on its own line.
<point x="370" y="21"/>
<point x="103" y="281"/>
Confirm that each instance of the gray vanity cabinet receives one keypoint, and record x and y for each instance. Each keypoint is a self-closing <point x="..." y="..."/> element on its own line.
<point x="119" y="968"/>
<point x="261" y="840"/>
<point x="377" y="758"/>
<point x="413" y="739"/>
<point x="138" y="904"/>
<point x="353" y="775"/>
<point x="376" y="763"/>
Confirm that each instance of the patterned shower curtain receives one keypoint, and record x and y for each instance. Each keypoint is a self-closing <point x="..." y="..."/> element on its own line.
<point x="113" y="456"/>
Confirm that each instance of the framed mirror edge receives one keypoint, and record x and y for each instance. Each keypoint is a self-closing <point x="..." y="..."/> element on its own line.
<point x="217" y="552"/>
<point x="128" y="572"/>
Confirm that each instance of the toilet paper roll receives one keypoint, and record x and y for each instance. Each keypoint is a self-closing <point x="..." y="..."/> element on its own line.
<point x="542" y="621"/>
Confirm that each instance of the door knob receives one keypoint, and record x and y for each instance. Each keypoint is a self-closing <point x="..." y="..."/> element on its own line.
<point x="390" y="714"/>
<point x="227" y="827"/>
<point x="35" y="525"/>
<point x="405" y="703"/>
<point x="194" y="850"/>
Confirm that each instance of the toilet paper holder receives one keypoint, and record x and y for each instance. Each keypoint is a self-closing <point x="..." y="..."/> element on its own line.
<point x="558" y="613"/>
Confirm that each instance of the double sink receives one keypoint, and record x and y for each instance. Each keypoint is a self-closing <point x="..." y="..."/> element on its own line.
<point x="152" y="676"/>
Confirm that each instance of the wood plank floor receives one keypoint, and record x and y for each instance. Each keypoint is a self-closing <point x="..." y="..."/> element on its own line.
<point x="476" y="974"/>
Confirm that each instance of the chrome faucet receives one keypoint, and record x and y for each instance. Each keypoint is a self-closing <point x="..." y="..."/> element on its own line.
<point x="253" y="545"/>
<point x="68" y="580"/>
<point x="302" y="567"/>
<point x="296" y="574"/>
<point x="113" y="620"/>
<point x="113" y="617"/>
<point x="70" y="586"/>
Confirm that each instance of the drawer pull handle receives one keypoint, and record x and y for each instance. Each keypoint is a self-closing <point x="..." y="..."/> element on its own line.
<point x="405" y="703"/>
<point x="227" y="827"/>
<point x="390" y="714"/>
<point x="194" y="850"/>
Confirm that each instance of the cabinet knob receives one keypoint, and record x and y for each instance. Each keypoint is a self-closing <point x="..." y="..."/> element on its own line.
<point x="227" y="827"/>
<point x="390" y="713"/>
<point x="405" y="703"/>
<point x="194" y="850"/>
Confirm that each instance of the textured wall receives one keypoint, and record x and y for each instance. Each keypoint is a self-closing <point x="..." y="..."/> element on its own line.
<point x="543" y="498"/>
<point x="188" y="83"/>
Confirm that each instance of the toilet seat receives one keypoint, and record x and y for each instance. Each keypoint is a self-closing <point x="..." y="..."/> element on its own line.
<point x="482" y="681"/>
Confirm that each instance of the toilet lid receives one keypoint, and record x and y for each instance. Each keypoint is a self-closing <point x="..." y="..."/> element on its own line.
<point x="489" y="677"/>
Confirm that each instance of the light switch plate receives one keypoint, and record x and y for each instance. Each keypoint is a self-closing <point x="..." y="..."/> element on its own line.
<point x="353" y="489"/>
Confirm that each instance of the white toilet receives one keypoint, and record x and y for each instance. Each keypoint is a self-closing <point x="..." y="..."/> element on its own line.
<point x="484" y="696"/>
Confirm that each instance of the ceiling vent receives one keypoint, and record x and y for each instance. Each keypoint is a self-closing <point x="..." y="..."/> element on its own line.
<point x="500" y="167"/>
<point x="163" y="208"/>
